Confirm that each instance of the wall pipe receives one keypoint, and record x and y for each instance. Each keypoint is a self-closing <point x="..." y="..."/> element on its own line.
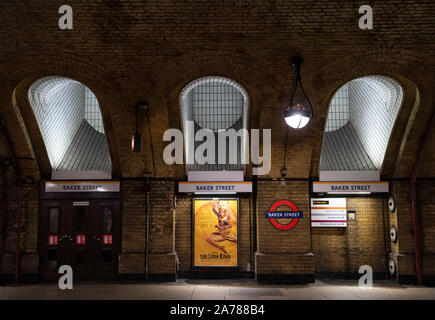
<point x="145" y="108"/>
<point x="415" y="220"/>
<point x="254" y="212"/>
<point x="147" y="235"/>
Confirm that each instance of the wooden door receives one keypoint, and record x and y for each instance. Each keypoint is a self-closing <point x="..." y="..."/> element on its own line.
<point x="82" y="234"/>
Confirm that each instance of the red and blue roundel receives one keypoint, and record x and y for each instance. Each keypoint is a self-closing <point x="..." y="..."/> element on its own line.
<point x="294" y="214"/>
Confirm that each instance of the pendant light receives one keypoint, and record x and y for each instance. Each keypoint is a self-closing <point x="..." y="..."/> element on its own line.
<point x="299" y="111"/>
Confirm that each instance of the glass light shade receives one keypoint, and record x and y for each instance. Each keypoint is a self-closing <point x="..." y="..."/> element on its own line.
<point x="297" y="119"/>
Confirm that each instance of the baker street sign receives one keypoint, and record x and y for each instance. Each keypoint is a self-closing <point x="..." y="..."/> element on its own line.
<point x="294" y="215"/>
<point x="284" y="214"/>
<point x="82" y="186"/>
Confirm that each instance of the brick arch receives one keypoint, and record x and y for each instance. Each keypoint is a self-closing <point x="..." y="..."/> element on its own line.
<point x="185" y="108"/>
<point x="368" y="155"/>
<point x="187" y="68"/>
<point x="268" y="84"/>
<point x="29" y="129"/>
<point x="390" y="66"/>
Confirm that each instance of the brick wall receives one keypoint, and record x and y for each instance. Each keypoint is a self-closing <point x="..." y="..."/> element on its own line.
<point x="426" y="209"/>
<point x="279" y="253"/>
<point x="148" y="51"/>
<point x="404" y="250"/>
<point x="161" y="228"/>
<point x="336" y="250"/>
<point x="363" y="242"/>
<point x="162" y="259"/>
<point x="132" y="256"/>
<point x="29" y="260"/>
<point x="128" y="51"/>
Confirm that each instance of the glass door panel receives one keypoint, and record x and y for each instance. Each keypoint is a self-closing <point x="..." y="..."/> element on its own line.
<point x="107" y="256"/>
<point x="80" y="240"/>
<point x="52" y="246"/>
<point x="107" y="215"/>
<point x="53" y="237"/>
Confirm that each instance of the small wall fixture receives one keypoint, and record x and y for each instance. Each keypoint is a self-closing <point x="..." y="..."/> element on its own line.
<point x="136" y="142"/>
<point x="283" y="175"/>
<point x="300" y="110"/>
<point x="136" y="139"/>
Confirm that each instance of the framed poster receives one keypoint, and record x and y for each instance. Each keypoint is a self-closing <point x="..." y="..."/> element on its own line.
<point x="215" y="232"/>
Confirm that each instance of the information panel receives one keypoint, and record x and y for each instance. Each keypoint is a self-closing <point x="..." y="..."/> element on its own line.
<point x="328" y="212"/>
<point x="215" y="232"/>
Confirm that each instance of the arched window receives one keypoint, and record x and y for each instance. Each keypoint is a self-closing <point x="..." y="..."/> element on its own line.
<point x="214" y="103"/>
<point x="360" y="119"/>
<point x="71" y="125"/>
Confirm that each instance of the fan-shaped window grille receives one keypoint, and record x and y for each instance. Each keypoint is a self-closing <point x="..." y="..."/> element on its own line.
<point x="71" y="125"/>
<point x="92" y="111"/>
<point x="360" y="119"/>
<point x="338" y="114"/>
<point x="214" y="103"/>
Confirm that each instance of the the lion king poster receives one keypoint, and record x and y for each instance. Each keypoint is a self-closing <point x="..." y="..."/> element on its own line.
<point x="215" y="232"/>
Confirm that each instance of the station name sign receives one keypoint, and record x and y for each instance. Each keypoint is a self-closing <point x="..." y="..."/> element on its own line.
<point x="350" y="187"/>
<point x="82" y="186"/>
<point x="284" y="214"/>
<point x="214" y="187"/>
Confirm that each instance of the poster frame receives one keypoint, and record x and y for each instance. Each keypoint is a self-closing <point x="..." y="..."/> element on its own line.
<point x="210" y="268"/>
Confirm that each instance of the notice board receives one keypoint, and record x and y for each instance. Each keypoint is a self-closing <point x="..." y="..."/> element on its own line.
<point x="328" y="212"/>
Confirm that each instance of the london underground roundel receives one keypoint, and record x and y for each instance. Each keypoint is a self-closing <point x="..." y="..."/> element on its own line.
<point x="294" y="214"/>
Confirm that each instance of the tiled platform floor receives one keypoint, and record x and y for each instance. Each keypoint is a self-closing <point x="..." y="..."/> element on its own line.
<point x="220" y="290"/>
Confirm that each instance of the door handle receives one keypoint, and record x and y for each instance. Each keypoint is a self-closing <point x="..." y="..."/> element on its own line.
<point x="62" y="238"/>
<point x="66" y="236"/>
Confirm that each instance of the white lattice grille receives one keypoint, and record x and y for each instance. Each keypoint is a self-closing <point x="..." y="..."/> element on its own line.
<point x="338" y="114"/>
<point x="61" y="106"/>
<point x="214" y="103"/>
<point x="359" y="124"/>
<point x="92" y="111"/>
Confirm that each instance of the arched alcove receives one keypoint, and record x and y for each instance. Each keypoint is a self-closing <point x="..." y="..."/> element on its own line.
<point x="70" y="122"/>
<point x="361" y="117"/>
<point x="214" y="103"/>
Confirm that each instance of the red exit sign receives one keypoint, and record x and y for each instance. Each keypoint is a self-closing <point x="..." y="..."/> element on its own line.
<point x="52" y="240"/>
<point x="107" y="239"/>
<point x="80" y="239"/>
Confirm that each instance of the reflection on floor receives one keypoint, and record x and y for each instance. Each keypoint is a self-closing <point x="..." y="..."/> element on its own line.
<point x="220" y="290"/>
